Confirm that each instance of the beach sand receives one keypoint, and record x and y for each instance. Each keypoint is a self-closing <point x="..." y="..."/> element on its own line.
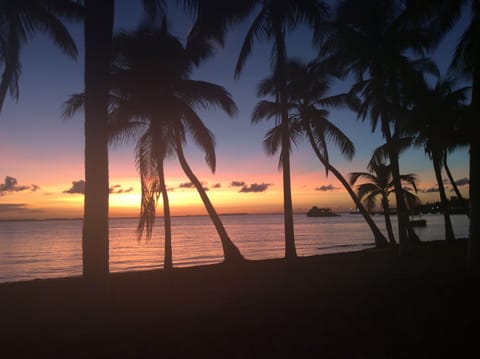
<point x="354" y="305"/>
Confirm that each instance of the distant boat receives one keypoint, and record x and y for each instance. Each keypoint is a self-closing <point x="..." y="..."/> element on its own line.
<point x="321" y="212"/>
<point x="418" y="222"/>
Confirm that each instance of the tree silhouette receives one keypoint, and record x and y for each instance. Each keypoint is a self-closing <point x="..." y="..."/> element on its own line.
<point x="373" y="39"/>
<point x="308" y="85"/>
<point x="379" y="183"/>
<point x="438" y="111"/>
<point x="273" y="20"/>
<point x="19" y="21"/>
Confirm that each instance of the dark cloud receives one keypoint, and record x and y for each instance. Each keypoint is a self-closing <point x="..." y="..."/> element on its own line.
<point x="255" y="187"/>
<point x="462" y="181"/>
<point x="117" y="189"/>
<point x="18" y="208"/>
<point x="217" y="185"/>
<point x="237" y="184"/>
<point x="77" y="187"/>
<point x="326" y="188"/>
<point x="429" y="190"/>
<point x="11" y="185"/>
<point x="35" y="188"/>
<point x="186" y="185"/>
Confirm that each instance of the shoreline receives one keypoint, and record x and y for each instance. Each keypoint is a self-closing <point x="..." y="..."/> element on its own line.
<point x="352" y="304"/>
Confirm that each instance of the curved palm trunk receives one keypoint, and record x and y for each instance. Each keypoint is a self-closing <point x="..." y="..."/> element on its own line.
<point x="379" y="238"/>
<point x="167" y="219"/>
<point x="230" y="251"/>
<point x="449" y="235"/>
<point x="281" y="63"/>
<point x="402" y="212"/>
<point x="454" y="185"/>
<point x="388" y="221"/>
<point x="98" y="40"/>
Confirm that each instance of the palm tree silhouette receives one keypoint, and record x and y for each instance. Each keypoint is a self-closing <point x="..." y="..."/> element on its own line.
<point x="379" y="183"/>
<point x="151" y="92"/>
<point x="273" y="20"/>
<point x="308" y="85"/>
<point x="438" y="111"/>
<point x="20" y="21"/>
<point x="373" y="40"/>
<point x="441" y="16"/>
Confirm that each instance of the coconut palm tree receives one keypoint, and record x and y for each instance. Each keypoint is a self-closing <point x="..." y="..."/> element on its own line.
<point x="438" y="111"/>
<point x="98" y="28"/>
<point x="308" y="85"/>
<point x="441" y="16"/>
<point x="379" y="184"/>
<point x="272" y="21"/>
<point x="151" y="93"/>
<point x="372" y="39"/>
<point x="19" y="22"/>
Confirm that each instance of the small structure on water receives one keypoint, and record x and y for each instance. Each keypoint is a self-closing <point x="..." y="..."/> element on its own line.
<point x="321" y="212"/>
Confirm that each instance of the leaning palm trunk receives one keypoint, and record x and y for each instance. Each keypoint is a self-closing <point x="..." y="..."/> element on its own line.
<point x="379" y="238"/>
<point x="230" y="251"/>
<point x="449" y="235"/>
<point x="167" y="221"/>
<point x="454" y="185"/>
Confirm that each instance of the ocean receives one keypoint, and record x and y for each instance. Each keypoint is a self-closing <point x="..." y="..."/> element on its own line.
<point x="52" y="248"/>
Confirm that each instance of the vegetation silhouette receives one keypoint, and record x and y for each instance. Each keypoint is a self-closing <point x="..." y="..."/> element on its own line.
<point x="372" y="40"/>
<point x="436" y="112"/>
<point x="20" y="21"/>
<point x="152" y="92"/>
<point x="308" y="105"/>
<point x="273" y="20"/>
<point x="379" y="183"/>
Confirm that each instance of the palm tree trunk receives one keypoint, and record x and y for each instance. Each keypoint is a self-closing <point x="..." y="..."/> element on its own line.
<point x="167" y="219"/>
<point x="281" y="71"/>
<point x="230" y="251"/>
<point x="454" y="185"/>
<point x="473" y="255"/>
<point x="379" y="238"/>
<point x="449" y="235"/>
<point x="98" y="40"/>
<point x="388" y="222"/>
<point x="402" y="212"/>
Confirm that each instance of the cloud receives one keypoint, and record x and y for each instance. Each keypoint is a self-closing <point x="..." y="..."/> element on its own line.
<point x="35" y="188"/>
<point x="11" y="185"/>
<point x="326" y="188"/>
<point x="117" y="189"/>
<point x="237" y="184"/>
<point x="7" y="208"/>
<point x="217" y="185"/>
<point x="255" y="187"/>
<point x="77" y="187"/>
<point x="462" y="181"/>
<point x="429" y="190"/>
<point x="186" y="185"/>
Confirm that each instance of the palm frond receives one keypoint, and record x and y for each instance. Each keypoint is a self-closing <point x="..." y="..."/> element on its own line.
<point x="258" y="31"/>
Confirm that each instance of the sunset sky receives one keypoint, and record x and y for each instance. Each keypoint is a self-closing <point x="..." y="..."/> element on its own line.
<point x="41" y="165"/>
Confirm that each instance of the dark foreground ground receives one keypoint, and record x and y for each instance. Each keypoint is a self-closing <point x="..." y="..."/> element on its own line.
<point x="353" y="305"/>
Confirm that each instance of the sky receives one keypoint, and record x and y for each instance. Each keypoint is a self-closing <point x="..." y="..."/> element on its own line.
<point x="41" y="163"/>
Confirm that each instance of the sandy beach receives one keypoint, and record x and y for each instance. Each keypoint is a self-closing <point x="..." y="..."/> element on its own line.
<point x="355" y="305"/>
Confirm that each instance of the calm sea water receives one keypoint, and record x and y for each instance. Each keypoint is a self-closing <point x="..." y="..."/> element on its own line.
<point x="47" y="249"/>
